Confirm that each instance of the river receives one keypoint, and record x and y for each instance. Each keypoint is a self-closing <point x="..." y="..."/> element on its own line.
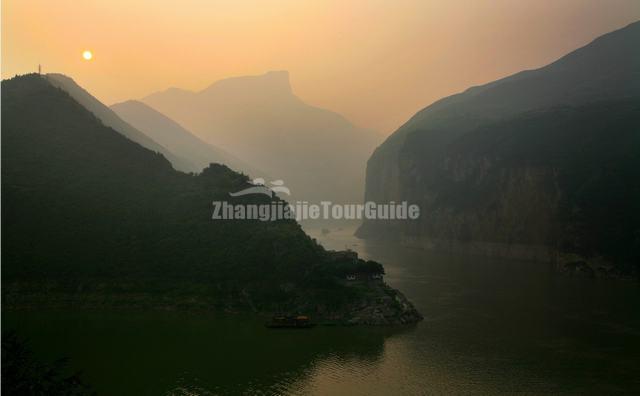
<point x="491" y="326"/>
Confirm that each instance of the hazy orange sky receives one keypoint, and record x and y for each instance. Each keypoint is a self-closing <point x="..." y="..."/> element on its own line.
<point x="376" y="62"/>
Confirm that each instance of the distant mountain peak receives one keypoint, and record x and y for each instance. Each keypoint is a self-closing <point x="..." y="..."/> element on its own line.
<point x="273" y="82"/>
<point x="175" y="137"/>
<point x="260" y="118"/>
<point x="173" y="91"/>
<point x="281" y="76"/>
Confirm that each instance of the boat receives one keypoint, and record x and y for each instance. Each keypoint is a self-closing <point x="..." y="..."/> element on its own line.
<point x="290" y="322"/>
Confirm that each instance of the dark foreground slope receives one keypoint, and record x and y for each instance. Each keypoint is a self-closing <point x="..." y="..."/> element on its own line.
<point x="109" y="118"/>
<point x="92" y="218"/>
<point x="539" y="165"/>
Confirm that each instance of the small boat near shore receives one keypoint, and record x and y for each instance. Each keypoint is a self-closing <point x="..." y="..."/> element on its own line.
<point x="290" y="322"/>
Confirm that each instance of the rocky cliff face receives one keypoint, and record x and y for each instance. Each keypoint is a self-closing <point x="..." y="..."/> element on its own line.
<point x="538" y="163"/>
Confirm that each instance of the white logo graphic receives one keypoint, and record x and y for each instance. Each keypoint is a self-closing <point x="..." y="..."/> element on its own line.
<point x="303" y="210"/>
<point x="260" y="188"/>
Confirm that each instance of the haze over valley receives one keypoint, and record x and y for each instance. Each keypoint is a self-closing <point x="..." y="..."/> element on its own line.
<point x="319" y="197"/>
<point x="318" y="153"/>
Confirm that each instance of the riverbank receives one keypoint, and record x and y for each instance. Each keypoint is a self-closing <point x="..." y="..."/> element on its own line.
<point x="570" y="264"/>
<point x="370" y="303"/>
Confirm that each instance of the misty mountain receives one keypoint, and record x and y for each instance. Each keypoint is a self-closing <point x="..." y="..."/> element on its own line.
<point x="537" y="164"/>
<point x="90" y="217"/>
<point x="318" y="153"/>
<point x="111" y="119"/>
<point x="175" y="138"/>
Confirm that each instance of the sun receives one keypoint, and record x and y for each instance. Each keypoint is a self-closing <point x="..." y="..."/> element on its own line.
<point x="87" y="55"/>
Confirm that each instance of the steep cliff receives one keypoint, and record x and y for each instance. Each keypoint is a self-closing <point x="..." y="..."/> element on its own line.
<point x="528" y="166"/>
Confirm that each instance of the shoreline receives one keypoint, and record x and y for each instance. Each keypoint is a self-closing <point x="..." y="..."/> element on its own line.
<point x="384" y="306"/>
<point x="569" y="264"/>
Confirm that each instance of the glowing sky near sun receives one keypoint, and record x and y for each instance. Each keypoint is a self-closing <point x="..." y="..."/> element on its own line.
<point x="376" y="62"/>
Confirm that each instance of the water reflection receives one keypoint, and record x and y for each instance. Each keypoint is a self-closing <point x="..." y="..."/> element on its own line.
<point x="171" y="353"/>
<point x="504" y="326"/>
<point x="491" y="326"/>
